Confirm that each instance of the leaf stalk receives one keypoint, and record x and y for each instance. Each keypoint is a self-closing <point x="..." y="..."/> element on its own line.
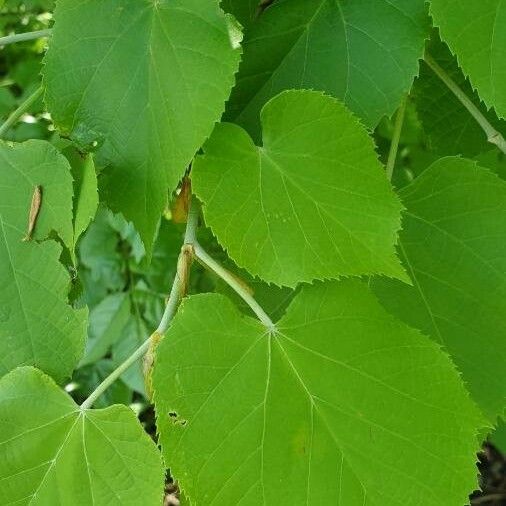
<point x="207" y="261"/>
<point x="493" y="136"/>
<point x="21" y="37"/>
<point x="177" y="292"/>
<point x="396" y="137"/>
<point x="25" y="106"/>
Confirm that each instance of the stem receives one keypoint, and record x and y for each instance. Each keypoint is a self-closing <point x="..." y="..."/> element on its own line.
<point x="493" y="136"/>
<point x="13" y="118"/>
<point x="394" y="146"/>
<point x="21" y="37"/>
<point x="208" y="262"/>
<point x="185" y="257"/>
<point x="176" y="294"/>
<point x="136" y="355"/>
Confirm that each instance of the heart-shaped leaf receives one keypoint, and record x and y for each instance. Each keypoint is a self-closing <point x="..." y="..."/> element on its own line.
<point x="342" y="405"/>
<point x="55" y="453"/>
<point x="313" y="202"/>
<point x="144" y="81"/>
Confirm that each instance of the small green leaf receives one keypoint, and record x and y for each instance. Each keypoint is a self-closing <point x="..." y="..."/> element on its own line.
<point x="338" y="407"/>
<point x="453" y="245"/>
<point x="365" y="53"/>
<point x="55" y="453"/>
<point x="313" y="202"/>
<point x="474" y="31"/>
<point x="143" y="82"/>
<point x="37" y="326"/>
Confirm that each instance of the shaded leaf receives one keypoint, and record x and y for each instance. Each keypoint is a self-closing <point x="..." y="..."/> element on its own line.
<point x="180" y="65"/>
<point x="448" y="124"/>
<point x="474" y="31"/>
<point x="364" y="52"/>
<point x="453" y="245"/>
<point x="106" y="323"/>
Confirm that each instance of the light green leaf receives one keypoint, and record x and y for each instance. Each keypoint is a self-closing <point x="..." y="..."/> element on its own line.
<point x="37" y="326"/>
<point x="167" y="67"/>
<point x="107" y="321"/>
<point x="449" y="126"/>
<point x="55" y="453"/>
<point x="364" y="52"/>
<point x="343" y="405"/>
<point x="453" y="244"/>
<point x="474" y="30"/>
<point x="85" y="191"/>
<point x="313" y="202"/>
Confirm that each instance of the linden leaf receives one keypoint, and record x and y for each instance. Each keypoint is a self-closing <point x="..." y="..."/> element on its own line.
<point x="55" y="453"/>
<point x="313" y="202"/>
<point x="475" y="32"/>
<point x="143" y="82"/>
<point x="364" y="52"/>
<point x="342" y="396"/>
<point x="37" y="326"/>
<point x="448" y="125"/>
<point x="453" y="244"/>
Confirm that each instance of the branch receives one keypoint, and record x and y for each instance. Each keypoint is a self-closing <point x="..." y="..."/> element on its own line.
<point x="207" y="261"/>
<point x="13" y="118"/>
<point x="176" y="294"/>
<point x="21" y="37"/>
<point x="394" y="146"/>
<point x="493" y="136"/>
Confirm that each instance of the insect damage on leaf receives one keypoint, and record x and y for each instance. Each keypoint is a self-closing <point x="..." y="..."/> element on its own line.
<point x="34" y="212"/>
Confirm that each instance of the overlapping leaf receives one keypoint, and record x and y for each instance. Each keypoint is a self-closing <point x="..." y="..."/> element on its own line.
<point x="365" y="52"/>
<point x="37" y="326"/>
<point x="144" y="82"/>
<point x="474" y="30"/>
<point x="55" y="453"/>
<point x="343" y="405"/>
<point x="313" y="202"/>
<point x="453" y="244"/>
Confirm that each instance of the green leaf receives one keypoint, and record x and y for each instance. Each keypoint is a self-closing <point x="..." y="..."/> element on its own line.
<point x="313" y="202"/>
<point x="448" y="125"/>
<point x="55" y="453"/>
<point x="498" y="437"/>
<point x="85" y="191"/>
<point x="243" y="10"/>
<point x="144" y="82"/>
<point x="453" y="244"/>
<point x="100" y="256"/>
<point x="338" y="407"/>
<point x="106" y="323"/>
<point x="365" y="53"/>
<point x="475" y="32"/>
<point x="37" y="326"/>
